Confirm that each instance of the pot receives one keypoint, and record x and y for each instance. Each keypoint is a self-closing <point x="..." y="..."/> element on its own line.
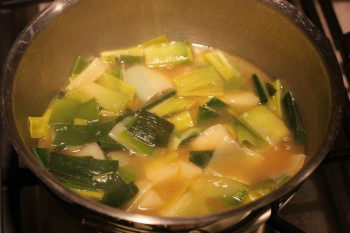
<point x="270" y="34"/>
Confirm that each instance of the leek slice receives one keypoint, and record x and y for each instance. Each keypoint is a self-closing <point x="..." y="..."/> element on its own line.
<point x="78" y="67"/>
<point x="265" y="124"/>
<point x="127" y="174"/>
<point x="218" y="60"/>
<point x="181" y="121"/>
<point x="200" y="158"/>
<point x="107" y="99"/>
<point x="245" y="135"/>
<point x="158" y="40"/>
<point x="201" y="82"/>
<point x="117" y="85"/>
<point x="275" y="101"/>
<point x="260" y="88"/>
<point x="205" y="114"/>
<point x="128" y="59"/>
<point x="168" y="54"/>
<point x="110" y="56"/>
<point x="39" y="126"/>
<point x="159" y="100"/>
<point x="172" y="105"/>
<point x="90" y="74"/>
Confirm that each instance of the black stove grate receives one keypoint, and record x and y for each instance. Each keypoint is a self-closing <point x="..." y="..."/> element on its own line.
<point x="15" y="179"/>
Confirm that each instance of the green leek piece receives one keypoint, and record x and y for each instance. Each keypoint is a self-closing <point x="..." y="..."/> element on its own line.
<point x="65" y="110"/>
<point x="293" y="116"/>
<point x="129" y="59"/>
<point x="106" y="98"/>
<point x="68" y="134"/>
<point x="110" y="56"/>
<point x="128" y="140"/>
<point x="182" y="121"/>
<point x="201" y="82"/>
<point x="90" y="194"/>
<point x="234" y="199"/>
<point x="158" y="40"/>
<point x="78" y="121"/>
<point x="121" y="195"/>
<point x="81" y="168"/>
<point x="265" y="124"/>
<point x="151" y="129"/>
<point x="114" y="84"/>
<point x="42" y="155"/>
<point x="168" y="54"/>
<point x="78" y="67"/>
<point x="39" y="126"/>
<point x="108" y="144"/>
<point x="189" y="135"/>
<point x="116" y="72"/>
<point x="216" y="103"/>
<point x="172" y="105"/>
<point x="275" y="103"/>
<point x="200" y="158"/>
<point x="77" y="95"/>
<point x="127" y="174"/>
<point x="260" y="89"/>
<point x="159" y="100"/>
<point x="245" y="135"/>
<point x="205" y="114"/>
<point x="94" y="70"/>
<point x="218" y="60"/>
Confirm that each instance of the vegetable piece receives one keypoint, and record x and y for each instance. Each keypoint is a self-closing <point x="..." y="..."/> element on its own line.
<point x="275" y="104"/>
<point x="111" y="56"/>
<point x="210" y="138"/>
<point x="91" y="194"/>
<point x="245" y="135"/>
<point x="119" y="197"/>
<point x="158" y="40"/>
<point x="115" y="72"/>
<point x="151" y="201"/>
<point x="163" y="173"/>
<point x="42" y="155"/>
<point x="201" y="82"/>
<point x="107" y="99"/>
<point x="234" y="162"/>
<point x="200" y="158"/>
<point x="265" y="124"/>
<point x="241" y="100"/>
<point x="296" y="164"/>
<point x="235" y="198"/>
<point x="158" y="162"/>
<point x="107" y="143"/>
<point x="260" y="89"/>
<point x="189" y="135"/>
<point x="78" y="67"/>
<point x="205" y="114"/>
<point x="81" y="168"/>
<point x="293" y="116"/>
<point x="95" y="69"/>
<point x="114" y="84"/>
<point x="123" y="157"/>
<point x="168" y="54"/>
<point x="78" y="95"/>
<point x="147" y="82"/>
<point x="127" y="174"/>
<point x="129" y="59"/>
<point x="270" y="89"/>
<point x="39" y="126"/>
<point x="181" y="121"/>
<point x="68" y="134"/>
<point x="151" y="129"/>
<point x="91" y="149"/>
<point x="216" y="103"/>
<point x="79" y="121"/>
<point x="188" y="170"/>
<point x="172" y="105"/>
<point x="218" y="60"/>
<point x="65" y="110"/>
<point x="159" y="100"/>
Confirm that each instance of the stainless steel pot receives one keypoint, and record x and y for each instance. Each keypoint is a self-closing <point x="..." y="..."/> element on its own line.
<point x="269" y="33"/>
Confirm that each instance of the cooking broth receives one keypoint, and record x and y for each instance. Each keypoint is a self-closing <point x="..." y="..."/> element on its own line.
<point x="170" y="129"/>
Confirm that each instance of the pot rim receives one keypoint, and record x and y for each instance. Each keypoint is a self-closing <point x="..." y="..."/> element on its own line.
<point x="283" y="8"/>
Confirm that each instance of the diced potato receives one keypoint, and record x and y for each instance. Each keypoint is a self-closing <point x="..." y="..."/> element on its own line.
<point x="241" y="100"/>
<point x="151" y="201"/>
<point x="163" y="173"/>
<point x="188" y="170"/>
<point x="210" y="138"/>
<point x="91" y="149"/>
<point x="147" y="82"/>
<point x="232" y="161"/>
<point x="159" y="161"/>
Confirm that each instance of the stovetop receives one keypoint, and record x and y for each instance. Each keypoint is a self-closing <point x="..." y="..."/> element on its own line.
<point x="322" y="204"/>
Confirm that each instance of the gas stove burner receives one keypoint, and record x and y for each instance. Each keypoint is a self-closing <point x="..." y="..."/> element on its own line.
<point x="320" y="204"/>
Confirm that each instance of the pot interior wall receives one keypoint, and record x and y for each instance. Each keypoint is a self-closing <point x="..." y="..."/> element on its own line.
<point x="247" y="28"/>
